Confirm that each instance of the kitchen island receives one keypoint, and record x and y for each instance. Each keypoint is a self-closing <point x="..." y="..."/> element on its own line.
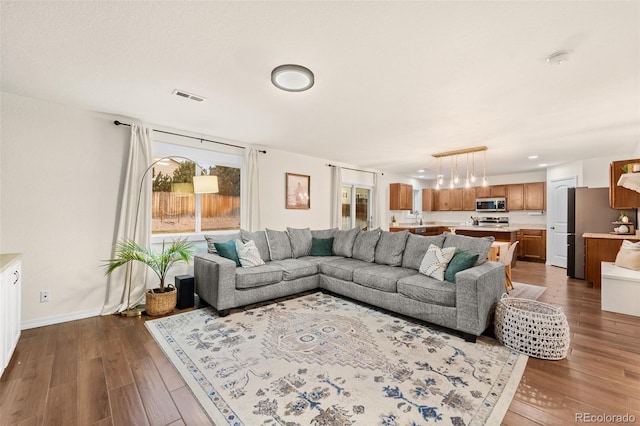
<point x="601" y="248"/>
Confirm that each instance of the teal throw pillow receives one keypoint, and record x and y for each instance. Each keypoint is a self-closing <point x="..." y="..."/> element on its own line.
<point x="228" y="250"/>
<point x="321" y="247"/>
<point x="461" y="260"/>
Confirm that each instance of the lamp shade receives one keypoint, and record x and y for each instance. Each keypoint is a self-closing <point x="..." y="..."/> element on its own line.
<point x="205" y="184"/>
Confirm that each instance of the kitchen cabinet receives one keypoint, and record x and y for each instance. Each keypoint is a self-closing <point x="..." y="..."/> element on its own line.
<point x="10" y="303"/>
<point x="442" y="200"/>
<point x="428" y="202"/>
<point x="498" y="190"/>
<point x="400" y="196"/>
<point x="533" y="245"/>
<point x="455" y="199"/>
<point x="469" y="199"/>
<point x="535" y="196"/>
<point x="515" y="196"/>
<point x="621" y="197"/>
<point x="483" y="191"/>
<point x="520" y="248"/>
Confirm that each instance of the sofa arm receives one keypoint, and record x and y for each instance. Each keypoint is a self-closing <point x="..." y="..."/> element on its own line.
<point x="215" y="280"/>
<point x="478" y="290"/>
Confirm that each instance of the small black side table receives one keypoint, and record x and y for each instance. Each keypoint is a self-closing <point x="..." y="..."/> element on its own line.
<point x="185" y="289"/>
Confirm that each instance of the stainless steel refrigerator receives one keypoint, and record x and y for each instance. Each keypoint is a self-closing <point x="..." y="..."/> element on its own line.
<point x="589" y="211"/>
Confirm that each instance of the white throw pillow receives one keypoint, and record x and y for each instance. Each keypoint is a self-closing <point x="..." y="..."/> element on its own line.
<point x="435" y="261"/>
<point x="248" y="254"/>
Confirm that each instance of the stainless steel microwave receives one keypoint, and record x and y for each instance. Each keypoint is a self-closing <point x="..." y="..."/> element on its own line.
<point x="498" y="204"/>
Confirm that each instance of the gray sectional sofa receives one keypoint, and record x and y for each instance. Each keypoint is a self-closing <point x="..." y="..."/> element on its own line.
<point x="376" y="267"/>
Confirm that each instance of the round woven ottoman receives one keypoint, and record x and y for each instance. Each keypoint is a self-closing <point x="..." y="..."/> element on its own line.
<point x="533" y="328"/>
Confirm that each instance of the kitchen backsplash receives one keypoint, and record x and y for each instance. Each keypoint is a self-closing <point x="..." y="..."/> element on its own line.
<point x="515" y="217"/>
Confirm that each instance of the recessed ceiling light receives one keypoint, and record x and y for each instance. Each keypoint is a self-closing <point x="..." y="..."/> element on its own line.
<point x="421" y="171"/>
<point x="532" y="157"/>
<point x="421" y="176"/>
<point x="292" y="78"/>
<point x="542" y="165"/>
<point x="559" y="58"/>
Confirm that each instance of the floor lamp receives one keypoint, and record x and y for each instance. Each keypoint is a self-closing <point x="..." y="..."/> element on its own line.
<point x="202" y="184"/>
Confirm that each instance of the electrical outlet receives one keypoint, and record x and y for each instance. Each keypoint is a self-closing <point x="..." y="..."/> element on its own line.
<point x="44" y="296"/>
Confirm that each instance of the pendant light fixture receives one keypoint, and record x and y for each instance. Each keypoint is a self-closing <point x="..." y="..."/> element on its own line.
<point x="453" y="166"/>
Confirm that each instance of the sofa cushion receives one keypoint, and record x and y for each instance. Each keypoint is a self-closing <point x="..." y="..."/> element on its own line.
<point x="323" y="233"/>
<point x="260" y="238"/>
<point x="219" y="238"/>
<point x="258" y="276"/>
<point x="470" y="244"/>
<point x="381" y="277"/>
<point x="279" y="245"/>
<point x="390" y="248"/>
<point x="228" y="250"/>
<point x="416" y="247"/>
<point x="425" y="289"/>
<point x="342" y="268"/>
<point x="321" y="247"/>
<point x="364" y="247"/>
<point x="300" y="240"/>
<point x="296" y="268"/>
<point x="436" y="260"/>
<point x="320" y="259"/>
<point x="461" y="260"/>
<point x="343" y="242"/>
<point x="248" y="254"/>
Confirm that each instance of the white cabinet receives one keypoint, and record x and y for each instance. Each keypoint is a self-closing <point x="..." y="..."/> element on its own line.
<point x="10" y="303"/>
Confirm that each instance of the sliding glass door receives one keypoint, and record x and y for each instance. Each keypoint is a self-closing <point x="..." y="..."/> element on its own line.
<point x="356" y="207"/>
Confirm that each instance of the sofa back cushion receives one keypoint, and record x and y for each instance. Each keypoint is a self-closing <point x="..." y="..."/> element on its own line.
<point x="343" y="242"/>
<point x="323" y="233"/>
<point x="390" y="247"/>
<point x="219" y="238"/>
<point x="279" y="245"/>
<point x="300" y="240"/>
<point x="260" y="239"/>
<point x="416" y="247"/>
<point x="364" y="247"/>
<point x="474" y="245"/>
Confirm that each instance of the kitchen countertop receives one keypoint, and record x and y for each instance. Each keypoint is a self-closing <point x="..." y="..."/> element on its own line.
<point x="513" y="227"/>
<point x="487" y="228"/>
<point x="611" y="236"/>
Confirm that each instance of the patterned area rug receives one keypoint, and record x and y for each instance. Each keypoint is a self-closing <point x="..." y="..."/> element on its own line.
<point x="526" y="291"/>
<point x="322" y="360"/>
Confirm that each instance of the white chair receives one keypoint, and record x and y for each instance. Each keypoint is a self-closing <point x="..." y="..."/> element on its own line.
<point x="506" y="261"/>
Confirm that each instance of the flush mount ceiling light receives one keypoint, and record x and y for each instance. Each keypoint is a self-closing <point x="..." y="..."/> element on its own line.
<point x="559" y="58"/>
<point x="292" y="78"/>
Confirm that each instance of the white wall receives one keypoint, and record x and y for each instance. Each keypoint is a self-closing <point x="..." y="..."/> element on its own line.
<point x="61" y="174"/>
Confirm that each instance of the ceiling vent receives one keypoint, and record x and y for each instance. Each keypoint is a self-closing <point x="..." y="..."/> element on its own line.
<point x="188" y="95"/>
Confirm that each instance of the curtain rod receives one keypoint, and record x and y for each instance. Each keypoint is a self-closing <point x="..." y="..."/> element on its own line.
<point x="120" y="123"/>
<point x="355" y="170"/>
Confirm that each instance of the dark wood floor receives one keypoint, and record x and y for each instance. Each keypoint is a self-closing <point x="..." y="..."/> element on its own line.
<point x="108" y="370"/>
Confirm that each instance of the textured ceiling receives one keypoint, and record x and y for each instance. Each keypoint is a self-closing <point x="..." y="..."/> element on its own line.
<point x="395" y="81"/>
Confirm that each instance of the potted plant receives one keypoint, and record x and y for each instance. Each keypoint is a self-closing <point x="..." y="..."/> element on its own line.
<point x="161" y="300"/>
<point x="393" y="220"/>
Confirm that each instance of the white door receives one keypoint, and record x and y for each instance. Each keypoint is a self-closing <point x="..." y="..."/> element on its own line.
<point x="558" y="219"/>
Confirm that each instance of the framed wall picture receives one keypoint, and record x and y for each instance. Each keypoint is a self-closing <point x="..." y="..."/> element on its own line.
<point x="297" y="187"/>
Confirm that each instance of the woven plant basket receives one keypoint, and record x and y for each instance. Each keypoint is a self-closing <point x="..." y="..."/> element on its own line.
<point x="534" y="328"/>
<point x="161" y="303"/>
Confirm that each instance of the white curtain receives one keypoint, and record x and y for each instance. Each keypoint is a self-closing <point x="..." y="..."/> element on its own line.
<point x="336" y="197"/>
<point x="253" y="189"/>
<point x="375" y="202"/>
<point x="132" y="218"/>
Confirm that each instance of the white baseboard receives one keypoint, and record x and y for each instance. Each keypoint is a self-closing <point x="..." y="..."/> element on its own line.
<point x="41" y="322"/>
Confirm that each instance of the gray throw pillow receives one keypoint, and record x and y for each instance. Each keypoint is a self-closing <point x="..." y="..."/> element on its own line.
<point x="260" y="239"/>
<point x="474" y="245"/>
<point x="343" y="242"/>
<point x="323" y="233"/>
<point x="364" y="247"/>
<point x="390" y="247"/>
<point x="219" y="238"/>
<point x="416" y="247"/>
<point x="300" y="240"/>
<point x="279" y="245"/>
